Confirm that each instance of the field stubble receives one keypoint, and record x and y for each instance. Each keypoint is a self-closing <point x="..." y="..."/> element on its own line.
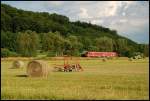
<point x="113" y="79"/>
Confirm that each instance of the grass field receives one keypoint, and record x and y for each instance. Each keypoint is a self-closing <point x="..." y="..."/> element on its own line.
<point x="113" y="79"/>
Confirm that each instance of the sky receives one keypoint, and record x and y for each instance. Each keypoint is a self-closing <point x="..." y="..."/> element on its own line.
<point x="128" y="18"/>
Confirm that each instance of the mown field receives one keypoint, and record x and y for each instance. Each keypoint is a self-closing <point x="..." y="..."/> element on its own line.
<point x="113" y="79"/>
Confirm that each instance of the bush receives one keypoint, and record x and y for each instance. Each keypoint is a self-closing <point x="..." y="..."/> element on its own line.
<point x="14" y="54"/>
<point x="138" y="55"/>
<point x="51" y="54"/>
<point x="7" y="53"/>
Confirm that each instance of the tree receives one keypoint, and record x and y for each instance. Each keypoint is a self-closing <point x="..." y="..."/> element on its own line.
<point x="5" y="22"/>
<point x="75" y="45"/>
<point x="59" y="18"/>
<point x="34" y="44"/>
<point x="8" y="40"/>
<point x="87" y="43"/>
<point x="144" y="48"/>
<point x="67" y="47"/>
<point x="53" y="42"/>
<point x="27" y="43"/>
<point x="58" y="43"/>
<point x="122" y="47"/>
<point x="104" y="44"/>
<point x="47" y="41"/>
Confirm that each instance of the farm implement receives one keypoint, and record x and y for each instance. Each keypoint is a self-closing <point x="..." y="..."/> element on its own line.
<point x="69" y="67"/>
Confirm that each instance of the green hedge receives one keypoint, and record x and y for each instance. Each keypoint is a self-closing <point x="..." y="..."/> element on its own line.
<point x="51" y="54"/>
<point x="7" y="53"/>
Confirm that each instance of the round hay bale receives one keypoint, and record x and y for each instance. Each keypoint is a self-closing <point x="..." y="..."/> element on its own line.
<point x="37" y="68"/>
<point x="104" y="59"/>
<point x="130" y="59"/>
<point x="17" y="64"/>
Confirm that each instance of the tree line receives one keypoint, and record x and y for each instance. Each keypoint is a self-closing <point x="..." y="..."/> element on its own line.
<point x="27" y="43"/>
<point x="25" y="32"/>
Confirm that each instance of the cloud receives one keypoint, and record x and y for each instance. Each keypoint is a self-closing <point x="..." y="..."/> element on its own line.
<point x="109" y="9"/>
<point x="129" y="18"/>
<point x="97" y="22"/>
<point x="54" y="3"/>
<point x="83" y="13"/>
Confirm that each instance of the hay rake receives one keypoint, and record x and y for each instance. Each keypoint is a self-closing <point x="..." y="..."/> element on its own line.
<point x="67" y="67"/>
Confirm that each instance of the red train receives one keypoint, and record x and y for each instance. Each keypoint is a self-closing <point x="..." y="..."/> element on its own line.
<point x="99" y="54"/>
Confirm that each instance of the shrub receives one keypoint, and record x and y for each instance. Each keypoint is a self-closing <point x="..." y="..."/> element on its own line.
<point x="7" y="53"/>
<point x="51" y="54"/>
<point x="14" y="54"/>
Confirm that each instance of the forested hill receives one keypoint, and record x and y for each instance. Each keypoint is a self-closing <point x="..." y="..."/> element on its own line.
<point x="15" y="20"/>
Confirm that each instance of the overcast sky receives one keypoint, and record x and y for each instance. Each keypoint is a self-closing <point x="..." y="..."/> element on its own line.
<point x="129" y="18"/>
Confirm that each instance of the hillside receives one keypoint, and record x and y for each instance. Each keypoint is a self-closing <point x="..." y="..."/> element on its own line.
<point x="15" y="20"/>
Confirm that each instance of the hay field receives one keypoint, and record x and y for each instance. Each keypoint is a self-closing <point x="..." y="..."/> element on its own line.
<point x="113" y="79"/>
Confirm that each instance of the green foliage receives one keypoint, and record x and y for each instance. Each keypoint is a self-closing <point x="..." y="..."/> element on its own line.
<point x="122" y="47"/>
<point x="7" y="53"/>
<point x="51" y="54"/>
<point x="143" y="48"/>
<point x="27" y="43"/>
<point x="75" y="45"/>
<point x="59" y="18"/>
<point x="53" y="42"/>
<point x="67" y="47"/>
<point x="87" y="43"/>
<point x="104" y="44"/>
<point x="58" y="43"/>
<point x="47" y="42"/>
<point x="8" y="40"/>
<point x="14" y="54"/>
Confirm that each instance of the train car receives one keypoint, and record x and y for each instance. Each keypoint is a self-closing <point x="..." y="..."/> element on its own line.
<point x="99" y="54"/>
